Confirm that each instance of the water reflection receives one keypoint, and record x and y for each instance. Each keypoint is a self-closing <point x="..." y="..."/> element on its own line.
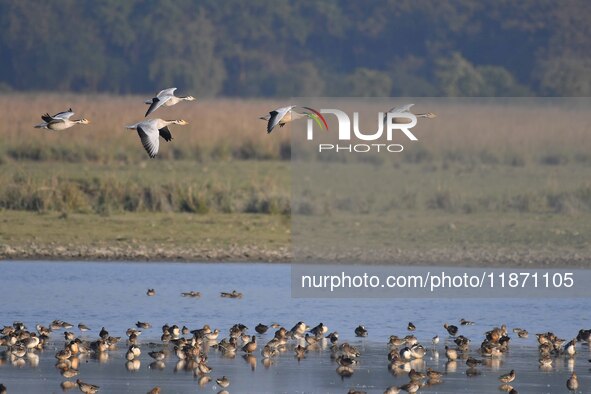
<point x="179" y="364"/>
<point x="133" y="365"/>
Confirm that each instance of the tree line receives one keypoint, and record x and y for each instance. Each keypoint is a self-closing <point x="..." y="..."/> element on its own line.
<point x="267" y="48"/>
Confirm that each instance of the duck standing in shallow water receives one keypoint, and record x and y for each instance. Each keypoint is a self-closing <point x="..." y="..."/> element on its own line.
<point x="300" y="351"/>
<point x="392" y="390"/>
<point x="223" y="382"/>
<point x="508" y="377"/>
<point x="233" y="294"/>
<point x="298" y="330"/>
<point x="434" y="375"/>
<point x="87" y="388"/>
<point x="143" y="325"/>
<point x="251" y="346"/>
<point x="360" y="331"/>
<point x="333" y="337"/>
<point x="570" y="348"/>
<point x="158" y="356"/>
<point x="416" y="376"/>
<point x="319" y="330"/>
<point x="451" y="329"/>
<point x="452" y="354"/>
<point x="191" y="294"/>
<point x="411" y="387"/>
<point x="202" y="367"/>
<point x="268" y="352"/>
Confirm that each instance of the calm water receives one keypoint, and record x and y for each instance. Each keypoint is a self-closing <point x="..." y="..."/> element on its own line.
<point x="114" y="295"/>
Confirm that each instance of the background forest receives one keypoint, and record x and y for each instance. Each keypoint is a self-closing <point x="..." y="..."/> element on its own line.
<point x="500" y="180"/>
<point x="266" y="48"/>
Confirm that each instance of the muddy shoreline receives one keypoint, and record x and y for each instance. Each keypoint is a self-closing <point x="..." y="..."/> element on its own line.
<point x="143" y="253"/>
<point x="284" y="254"/>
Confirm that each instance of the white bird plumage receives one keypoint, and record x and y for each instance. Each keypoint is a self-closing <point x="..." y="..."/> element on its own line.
<point x="401" y="108"/>
<point x="405" y="108"/>
<point x="60" y="121"/>
<point x="281" y="116"/>
<point x="151" y="130"/>
<point x="167" y="98"/>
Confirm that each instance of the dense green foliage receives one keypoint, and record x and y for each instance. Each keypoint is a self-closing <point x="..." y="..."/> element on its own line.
<point x="303" y="48"/>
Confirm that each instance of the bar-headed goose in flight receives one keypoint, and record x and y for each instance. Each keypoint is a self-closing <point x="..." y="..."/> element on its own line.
<point x="151" y="130"/>
<point x="167" y="98"/>
<point x="60" y="121"/>
<point x="406" y="108"/>
<point x="281" y="116"/>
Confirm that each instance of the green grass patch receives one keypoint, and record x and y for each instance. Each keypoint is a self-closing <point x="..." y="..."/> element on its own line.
<point x="168" y="231"/>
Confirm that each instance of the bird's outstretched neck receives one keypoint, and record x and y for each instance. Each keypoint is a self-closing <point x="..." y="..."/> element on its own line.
<point x="429" y="115"/>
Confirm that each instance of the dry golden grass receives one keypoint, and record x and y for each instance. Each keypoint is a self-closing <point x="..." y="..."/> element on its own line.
<point x="226" y="128"/>
<point x="222" y="125"/>
<point x="104" y="166"/>
<point x="530" y="129"/>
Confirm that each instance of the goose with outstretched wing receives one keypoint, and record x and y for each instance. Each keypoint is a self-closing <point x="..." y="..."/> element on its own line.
<point x="60" y="121"/>
<point x="167" y="98"/>
<point x="280" y="116"/>
<point x="401" y="109"/>
<point x="283" y="115"/>
<point x="151" y="130"/>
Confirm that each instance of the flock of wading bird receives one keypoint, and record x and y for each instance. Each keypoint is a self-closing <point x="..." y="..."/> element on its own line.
<point x="151" y="130"/>
<point x="191" y="348"/>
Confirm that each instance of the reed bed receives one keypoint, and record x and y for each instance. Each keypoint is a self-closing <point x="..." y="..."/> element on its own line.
<point x="537" y="140"/>
<point x="513" y="132"/>
<point x="217" y="130"/>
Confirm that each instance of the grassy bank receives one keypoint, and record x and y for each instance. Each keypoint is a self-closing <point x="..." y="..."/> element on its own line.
<point x="479" y="214"/>
<point x="140" y="236"/>
<point x="241" y="210"/>
<point x="152" y="210"/>
<point x="485" y="183"/>
<point x="147" y="186"/>
<point x="443" y="238"/>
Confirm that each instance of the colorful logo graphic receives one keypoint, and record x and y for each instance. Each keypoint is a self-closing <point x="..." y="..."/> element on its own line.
<point x="317" y="116"/>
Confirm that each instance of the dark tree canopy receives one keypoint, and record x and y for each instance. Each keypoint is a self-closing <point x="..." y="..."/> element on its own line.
<point x="263" y="48"/>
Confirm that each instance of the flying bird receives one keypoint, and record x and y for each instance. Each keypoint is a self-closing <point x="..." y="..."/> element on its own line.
<point x="406" y="109"/>
<point x="150" y="130"/>
<point x="167" y="98"/>
<point x="59" y="121"/>
<point x="281" y="116"/>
